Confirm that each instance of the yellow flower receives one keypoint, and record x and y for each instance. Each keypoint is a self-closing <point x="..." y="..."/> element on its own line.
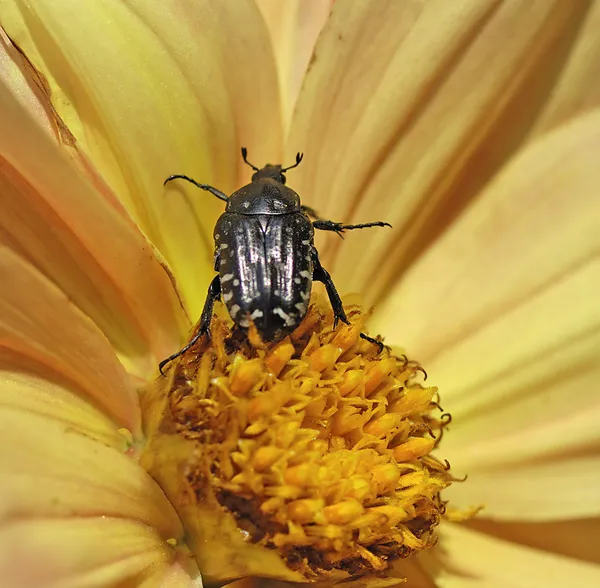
<point x="472" y="127"/>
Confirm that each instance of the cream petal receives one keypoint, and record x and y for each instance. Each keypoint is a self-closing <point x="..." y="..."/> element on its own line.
<point x="36" y="393"/>
<point x="87" y="245"/>
<point x="15" y="72"/>
<point x="578" y="87"/>
<point x="294" y="27"/>
<point x="409" y="109"/>
<point x="555" y="491"/>
<point x="504" y="300"/>
<point x="51" y="470"/>
<point x="38" y="322"/>
<point x="486" y="561"/>
<point x="98" y="552"/>
<point x="173" y="576"/>
<point x="154" y="89"/>
<point x="574" y="538"/>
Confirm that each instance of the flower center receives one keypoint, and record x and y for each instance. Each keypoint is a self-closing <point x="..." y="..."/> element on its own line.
<point x="306" y="460"/>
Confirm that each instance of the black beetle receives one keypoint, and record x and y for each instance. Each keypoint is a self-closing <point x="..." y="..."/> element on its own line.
<point x="265" y="256"/>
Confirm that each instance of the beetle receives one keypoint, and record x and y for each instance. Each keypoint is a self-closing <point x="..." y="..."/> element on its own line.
<point x="265" y="257"/>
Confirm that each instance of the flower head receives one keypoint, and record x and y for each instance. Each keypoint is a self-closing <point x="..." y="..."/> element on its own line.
<point x="307" y="460"/>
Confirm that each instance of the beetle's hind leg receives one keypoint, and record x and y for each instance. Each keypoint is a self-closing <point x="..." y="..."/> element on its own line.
<point x="320" y="274"/>
<point x="214" y="291"/>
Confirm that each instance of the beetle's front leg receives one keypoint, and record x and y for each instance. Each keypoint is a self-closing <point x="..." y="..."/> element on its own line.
<point x="339" y="228"/>
<point x="320" y="274"/>
<point x="214" y="291"/>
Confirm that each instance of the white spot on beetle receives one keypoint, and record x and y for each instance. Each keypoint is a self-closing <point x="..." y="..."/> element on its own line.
<point x="223" y="246"/>
<point x="256" y="314"/>
<point x="297" y="280"/>
<point x="217" y="236"/>
<point x="289" y="321"/>
<point x="236" y="282"/>
<point x="227" y="296"/>
<point x="305" y="274"/>
<point x="304" y="295"/>
<point x="300" y="306"/>
<point x="246" y="204"/>
<point x="277" y="292"/>
<point x="234" y="310"/>
<point x="244" y="323"/>
<point x="226" y="278"/>
<point x="306" y="242"/>
<point x="307" y="257"/>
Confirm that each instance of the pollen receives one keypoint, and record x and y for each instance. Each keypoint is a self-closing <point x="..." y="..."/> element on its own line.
<point x="309" y="460"/>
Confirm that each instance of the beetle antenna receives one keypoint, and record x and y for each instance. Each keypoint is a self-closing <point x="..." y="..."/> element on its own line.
<point x="299" y="157"/>
<point x="244" y="157"/>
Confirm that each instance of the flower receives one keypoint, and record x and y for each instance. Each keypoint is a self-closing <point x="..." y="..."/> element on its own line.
<point x="472" y="127"/>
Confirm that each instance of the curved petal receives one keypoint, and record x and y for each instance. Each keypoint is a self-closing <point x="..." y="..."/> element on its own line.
<point x="409" y="109"/>
<point x="83" y="242"/>
<point x="38" y="322"/>
<point x="503" y="307"/>
<point x="574" y="538"/>
<point x="49" y="470"/>
<point x="16" y="74"/>
<point x="80" y="553"/>
<point x="555" y="491"/>
<point x="578" y="88"/>
<point x="480" y="560"/>
<point x="153" y="89"/>
<point x="294" y="27"/>
<point x="29" y="392"/>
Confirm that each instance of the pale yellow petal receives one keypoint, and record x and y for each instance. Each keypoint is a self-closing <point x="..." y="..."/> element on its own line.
<point x="488" y="562"/>
<point x="573" y="538"/>
<point x="577" y="90"/>
<point x="558" y="490"/>
<point x="502" y="307"/>
<point x="40" y="323"/>
<point x="173" y="576"/>
<point x="98" y="552"/>
<point x="152" y="89"/>
<point x="49" y="469"/>
<point x="294" y="26"/>
<point x="409" y="109"/>
<point x="29" y="388"/>
<point x="83" y="242"/>
<point x="14" y="71"/>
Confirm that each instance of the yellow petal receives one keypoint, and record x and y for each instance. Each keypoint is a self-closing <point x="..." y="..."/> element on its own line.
<point x="294" y="27"/>
<point x="573" y="538"/>
<point x="578" y="88"/>
<point x="79" y="553"/>
<point x="15" y="73"/>
<point x="487" y="561"/>
<point x="417" y="105"/>
<point x="29" y="392"/>
<point x="503" y="305"/>
<point x="51" y="470"/>
<point x="558" y="490"/>
<point x="154" y="89"/>
<point x="38" y="322"/>
<point x="83" y="242"/>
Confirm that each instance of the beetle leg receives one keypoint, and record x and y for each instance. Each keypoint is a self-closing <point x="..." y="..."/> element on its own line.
<point x="339" y="228"/>
<point x="320" y="274"/>
<point x="214" y="291"/>
<point x="206" y="187"/>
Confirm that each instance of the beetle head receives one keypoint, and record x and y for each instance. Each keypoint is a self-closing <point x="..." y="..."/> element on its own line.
<point x="273" y="172"/>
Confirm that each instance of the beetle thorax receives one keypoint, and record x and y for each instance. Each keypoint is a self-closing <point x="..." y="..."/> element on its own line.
<point x="264" y="196"/>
